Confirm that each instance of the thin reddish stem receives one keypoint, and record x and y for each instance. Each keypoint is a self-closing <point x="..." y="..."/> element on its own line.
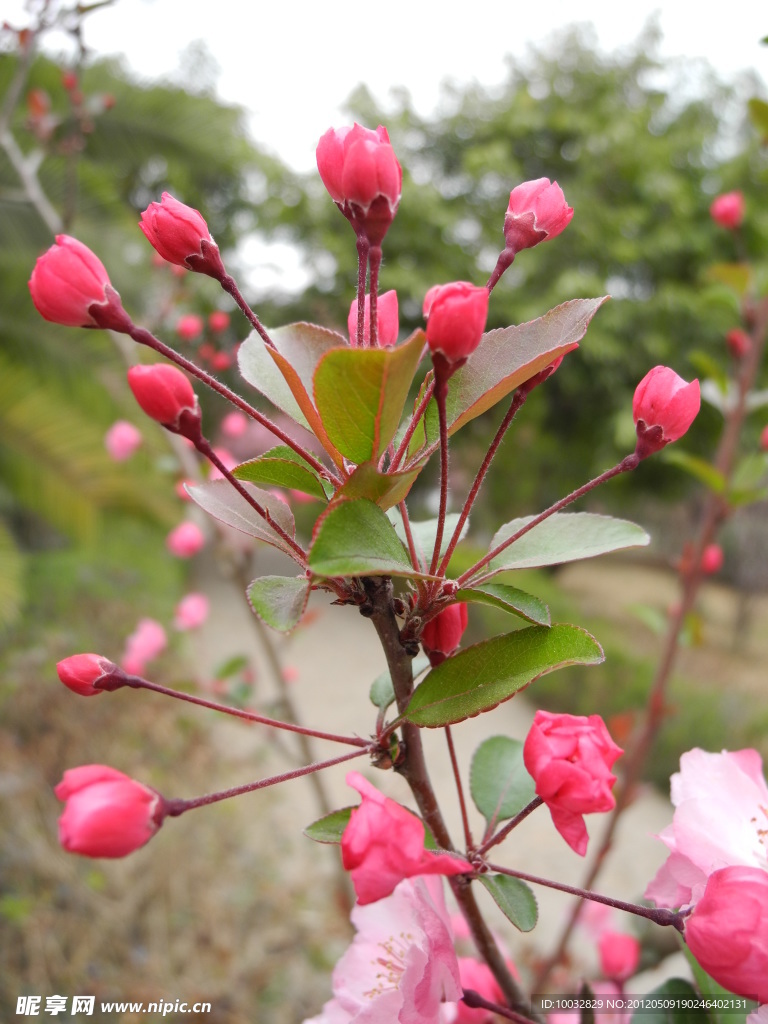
<point x="230" y="286"/>
<point x="144" y="337"/>
<point x="441" y="391"/>
<point x="418" y="413"/>
<point x="139" y="683"/>
<point x="502" y="834"/>
<point x="174" y="808"/>
<point x="626" y="464"/>
<point x="468" y="841"/>
<point x="362" y="271"/>
<point x="374" y="262"/>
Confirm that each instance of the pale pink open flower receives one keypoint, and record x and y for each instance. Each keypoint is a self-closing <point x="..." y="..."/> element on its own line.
<point x="569" y="758"/>
<point x="401" y="966"/>
<point x="720" y="820"/>
<point x="384" y="843"/>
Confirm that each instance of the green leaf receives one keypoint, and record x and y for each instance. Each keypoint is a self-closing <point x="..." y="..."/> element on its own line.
<point x="424" y="533"/>
<point x="564" y="537"/>
<point x="222" y="501"/>
<point x="673" y="989"/>
<point x="504" y="360"/>
<point x="508" y="599"/>
<point x="736" y="276"/>
<point x="514" y="898"/>
<point x="329" y="828"/>
<point x="355" y="538"/>
<point x="284" y="374"/>
<point x="282" y="467"/>
<point x="360" y="394"/>
<point x="751" y="471"/>
<point x="758" y="111"/>
<point x="385" y="489"/>
<point x="698" y="468"/>
<point x="484" y="675"/>
<point x="280" y="600"/>
<point x="498" y="780"/>
<point x="382" y="692"/>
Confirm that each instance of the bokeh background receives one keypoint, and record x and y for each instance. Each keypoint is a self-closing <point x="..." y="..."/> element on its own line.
<point x="642" y="121"/>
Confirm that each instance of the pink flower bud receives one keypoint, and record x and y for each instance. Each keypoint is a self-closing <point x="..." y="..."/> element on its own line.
<point x="619" y="955"/>
<point x="384" y="843"/>
<point x="191" y="612"/>
<point x="728" y="930"/>
<point x="121" y="440"/>
<point x="387" y="320"/>
<point x="107" y="814"/>
<point x="478" y="976"/>
<point x="185" y="540"/>
<point x="442" y="635"/>
<point x="234" y="424"/>
<point x="712" y="559"/>
<point x="181" y="236"/>
<point x="80" y="671"/>
<point x="728" y="210"/>
<point x="456" y="315"/>
<point x="739" y="342"/>
<point x="361" y="172"/>
<point x="537" y="211"/>
<point x="145" y="644"/>
<point x="569" y="758"/>
<point x="163" y="392"/>
<point x="664" y="407"/>
<point x="218" y="321"/>
<point x="189" y="326"/>
<point x="70" y="286"/>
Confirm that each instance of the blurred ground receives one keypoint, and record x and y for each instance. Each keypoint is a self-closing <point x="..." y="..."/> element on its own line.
<point x="231" y="903"/>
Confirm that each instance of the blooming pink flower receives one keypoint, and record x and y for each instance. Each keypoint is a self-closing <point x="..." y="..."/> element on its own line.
<point x="442" y="635"/>
<point x="401" y="966"/>
<point x="728" y="209"/>
<point x="361" y="172"/>
<point x="479" y="977"/>
<point x="189" y="326"/>
<point x="191" y="612"/>
<point x="569" y="758"/>
<point x="121" y="440"/>
<point x="108" y="814"/>
<point x="234" y="424"/>
<point x="80" y="671"/>
<point x="163" y="392"/>
<point x="383" y="843"/>
<point x="185" y="540"/>
<point x="537" y="211"/>
<point x="176" y="231"/>
<point x="739" y="342"/>
<point x="712" y="558"/>
<point x="727" y="931"/>
<point x="218" y="321"/>
<point x="619" y="954"/>
<point x="387" y="320"/>
<point x="456" y="315"/>
<point x="727" y="790"/>
<point x="664" y="406"/>
<point x="69" y="281"/>
<point x="146" y="642"/>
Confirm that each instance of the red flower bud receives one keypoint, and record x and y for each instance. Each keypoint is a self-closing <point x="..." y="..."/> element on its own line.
<point x="163" y="392"/>
<point x="728" y="210"/>
<point x="442" y="635"/>
<point x="664" y="407"/>
<point x="712" y="559"/>
<point x="456" y="315"/>
<point x="70" y="286"/>
<point x="387" y="320"/>
<point x="189" y="326"/>
<point x="739" y="342"/>
<point x="185" y="540"/>
<point x="537" y="211"/>
<point x="361" y="172"/>
<point x="80" y="671"/>
<point x="107" y="813"/>
<point x="218" y="321"/>
<point x="181" y="236"/>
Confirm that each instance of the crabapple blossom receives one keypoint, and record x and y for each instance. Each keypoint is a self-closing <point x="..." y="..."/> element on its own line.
<point x="619" y="954"/>
<point x="121" y="440"/>
<point x="191" y="612"/>
<point x="80" y="671"/>
<point x="727" y="788"/>
<point x="712" y="559"/>
<point x="234" y="424"/>
<point x="163" y="392"/>
<point x="107" y="813"/>
<point x="146" y="642"/>
<point x="218" y="321"/>
<point x="388" y="323"/>
<point x="456" y="315"/>
<point x="442" y="635"/>
<point x="189" y="326"/>
<point x="739" y="342"/>
<point x="185" y="540"/>
<point x="569" y="758"/>
<point x="728" y="209"/>
<point x="537" y="211"/>
<point x="401" y="965"/>
<point x="384" y="843"/>
<point x="181" y="236"/>
<point x="70" y="286"/>
<point x="664" y="406"/>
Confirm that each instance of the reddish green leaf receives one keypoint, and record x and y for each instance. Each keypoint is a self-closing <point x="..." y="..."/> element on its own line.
<point x="279" y="600"/>
<point x="222" y="501"/>
<point x="508" y="599"/>
<point x="514" y="899"/>
<point x="386" y="489"/>
<point x="282" y="467"/>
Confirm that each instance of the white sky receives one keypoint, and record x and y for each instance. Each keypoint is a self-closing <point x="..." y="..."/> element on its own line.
<point x="293" y="64"/>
